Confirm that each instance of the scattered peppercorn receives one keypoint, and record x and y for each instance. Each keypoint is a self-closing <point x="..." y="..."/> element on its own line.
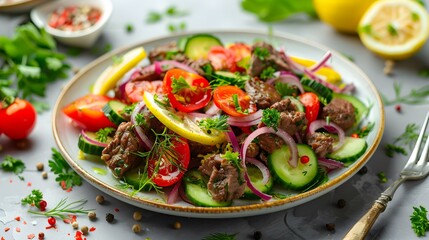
<point x="44" y="175"/>
<point x="137" y="228"/>
<point x="257" y="235"/>
<point x="363" y="170"/>
<point x="341" y="203"/>
<point x="92" y="215"/>
<point x="110" y="217"/>
<point x="84" y="230"/>
<point x="39" y="166"/>
<point x="177" y="225"/>
<point x="75" y="225"/>
<point x="137" y="215"/>
<point x="41" y="236"/>
<point x="99" y="199"/>
<point x="330" y="226"/>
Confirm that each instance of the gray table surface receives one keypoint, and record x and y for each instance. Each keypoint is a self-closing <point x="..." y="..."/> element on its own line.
<point x="303" y="222"/>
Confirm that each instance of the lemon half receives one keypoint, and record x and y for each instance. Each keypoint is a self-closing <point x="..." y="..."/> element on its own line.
<point x="112" y="74"/>
<point x="182" y="123"/>
<point x="396" y="29"/>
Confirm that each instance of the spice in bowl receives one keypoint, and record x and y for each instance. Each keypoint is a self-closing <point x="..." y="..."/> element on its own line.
<point x="74" y="18"/>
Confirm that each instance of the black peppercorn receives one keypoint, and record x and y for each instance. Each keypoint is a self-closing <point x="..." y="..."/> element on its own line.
<point x="330" y="226"/>
<point x="363" y="170"/>
<point x="110" y="217"/>
<point x="257" y="235"/>
<point x="341" y="203"/>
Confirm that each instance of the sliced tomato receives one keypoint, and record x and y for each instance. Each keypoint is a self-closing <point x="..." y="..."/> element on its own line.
<point x="241" y="51"/>
<point x="186" y="91"/>
<point x="222" y="58"/>
<point x="134" y="90"/>
<point x="312" y="104"/>
<point x="233" y="101"/>
<point x="86" y="112"/>
<point x="163" y="171"/>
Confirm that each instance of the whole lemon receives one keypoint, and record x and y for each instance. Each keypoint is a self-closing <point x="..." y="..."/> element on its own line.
<point x="343" y="15"/>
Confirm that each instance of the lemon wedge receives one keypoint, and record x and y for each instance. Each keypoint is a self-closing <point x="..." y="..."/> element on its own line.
<point x="394" y="30"/>
<point x="182" y="123"/>
<point x="328" y="74"/>
<point x="111" y="75"/>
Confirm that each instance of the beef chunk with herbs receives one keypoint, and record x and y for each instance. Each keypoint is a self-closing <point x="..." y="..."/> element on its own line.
<point x="340" y="112"/>
<point x="321" y="143"/>
<point x="262" y="94"/>
<point x="168" y="51"/>
<point x="119" y="154"/>
<point x="226" y="178"/>
<point x="263" y="56"/>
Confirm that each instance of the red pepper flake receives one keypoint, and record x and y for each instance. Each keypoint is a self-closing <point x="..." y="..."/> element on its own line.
<point x="10" y="180"/>
<point x="398" y="108"/>
<point x="49" y="227"/>
<point x="29" y="184"/>
<point x="6" y="229"/>
<point x="92" y="229"/>
<point x="78" y="236"/>
<point x="2" y="238"/>
<point x="64" y="186"/>
<point x="18" y="218"/>
<point x="68" y="221"/>
<point x="30" y="236"/>
<point x="18" y="229"/>
<point x="116" y="209"/>
<point x="304" y="159"/>
<point x="24" y="222"/>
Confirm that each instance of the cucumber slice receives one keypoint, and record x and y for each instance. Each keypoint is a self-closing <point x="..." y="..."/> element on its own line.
<point x="352" y="149"/>
<point x="196" y="191"/>
<point x="135" y="178"/>
<point x="360" y="108"/>
<point x="91" y="147"/>
<point x="256" y="178"/>
<point x="325" y="94"/>
<point x="113" y="111"/>
<point x="199" y="45"/>
<point x="294" y="178"/>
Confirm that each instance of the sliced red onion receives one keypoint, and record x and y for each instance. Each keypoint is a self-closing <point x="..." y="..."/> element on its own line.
<point x="264" y="169"/>
<point x="331" y="127"/>
<point x="233" y="140"/>
<point x="349" y="88"/>
<point x="173" y="195"/>
<point x="247" y="118"/>
<point x="330" y="163"/>
<point x="92" y="141"/>
<point x="244" y="124"/>
<point x="322" y="62"/>
<point x="288" y="78"/>
<point x="176" y="64"/>
<point x="298" y="137"/>
<point x="182" y="194"/>
<point x="144" y="140"/>
<point x="212" y="109"/>
<point x="158" y="68"/>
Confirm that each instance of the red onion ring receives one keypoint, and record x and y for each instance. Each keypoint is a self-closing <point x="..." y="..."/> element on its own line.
<point x="331" y="127"/>
<point x="321" y="63"/>
<point x="173" y="195"/>
<point x="330" y="163"/>
<point x="247" y="118"/>
<point x="243" y="123"/>
<point x="176" y="64"/>
<point x="144" y="140"/>
<point x="233" y="140"/>
<point x="158" y="68"/>
<point x="92" y="141"/>
<point x="264" y="169"/>
<point x="212" y="109"/>
<point x="349" y="88"/>
<point x="288" y="78"/>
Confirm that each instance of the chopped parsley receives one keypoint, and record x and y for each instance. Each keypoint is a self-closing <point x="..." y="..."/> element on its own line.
<point x="261" y="53"/>
<point x="419" y="221"/>
<point x="271" y="118"/>
<point x="33" y="198"/>
<point x="267" y="73"/>
<point x="129" y="28"/>
<point x="103" y="134"/>
<point x="285" y="89"/>
<point x="382" y="177"/>
<point x="179" y="84"/>
<point x="216" y="123"/>
<point x="11" y="164"/>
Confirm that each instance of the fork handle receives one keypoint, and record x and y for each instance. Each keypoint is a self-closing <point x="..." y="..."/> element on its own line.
<point x="362" y="227"/>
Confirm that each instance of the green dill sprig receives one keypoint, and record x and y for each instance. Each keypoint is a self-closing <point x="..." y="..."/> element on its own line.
<point x="271" y="118"/>
<point x="365" y="130"/>
<point x="216" y="123"/>
<point x="415" y="96"/>
<point x="103" y="134"/>
<point x="179" y="84"/>
<point x="62" y="209"/>
<point x="419" y="221"/>
<point x="407" y="138"/>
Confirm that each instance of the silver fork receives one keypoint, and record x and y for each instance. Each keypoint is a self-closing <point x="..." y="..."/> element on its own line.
<point x="415" y="169"/>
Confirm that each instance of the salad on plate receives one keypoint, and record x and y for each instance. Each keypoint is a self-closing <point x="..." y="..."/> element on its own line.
<point x="209" y="122"/>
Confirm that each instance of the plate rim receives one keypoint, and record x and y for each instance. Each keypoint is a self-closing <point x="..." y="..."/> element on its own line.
<point x="231" y="211"/>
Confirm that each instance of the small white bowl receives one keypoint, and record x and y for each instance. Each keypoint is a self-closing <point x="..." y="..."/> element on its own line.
<point x="83" y="38"/>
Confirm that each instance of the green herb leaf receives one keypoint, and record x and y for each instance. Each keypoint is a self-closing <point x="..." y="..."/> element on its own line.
<point x="220" y="236"/>
<point x="33" y="198"/>
<point x="63" y="209"/>
<point x="103" y="134"/>
<point x="11" y="164"/>
<point x="154" y="17"/>
<point x="129" y="28"/>
<point x="382" y="177"/>
<point x="267" y="73"/>
<point x="66" y="177"/>
<point x="365" y="130"/>
<point x="407" y="138"/>
<point x="216" y="123"/>
<point x="179" y="84"/>
<point x="419" y="221"/>
<point x="415" y="96"/>
<point x="271" y="118"/>
<point x="261" y="53"/>
<point x="174" y="12"/>
<point x="277" y="10"/>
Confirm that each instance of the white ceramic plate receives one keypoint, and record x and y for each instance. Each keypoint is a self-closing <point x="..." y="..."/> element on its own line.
<point x="66" y="136"/>
<point x="19" y="6"/>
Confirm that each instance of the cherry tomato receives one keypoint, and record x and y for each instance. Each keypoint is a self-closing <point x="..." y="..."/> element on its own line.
<point x="186" y="91"/>
<point x="42" y="205"/>
<point x="222" y="58"/>
<point x="311" y="104"/>
<point x="163" y="172"/>
<point x="18" y="119"/>
<point x="86" y="112"/>
<point x="223" y="97"/>
<point x="52" y="221"/>
<point x="242" y="55"/>
<point x="134" y="90"/>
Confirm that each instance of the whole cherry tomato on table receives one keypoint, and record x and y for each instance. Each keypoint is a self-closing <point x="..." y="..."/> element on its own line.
<point x="18" y="119"/>
<point x="186" y="91"/>
<point x="86" y="112"/>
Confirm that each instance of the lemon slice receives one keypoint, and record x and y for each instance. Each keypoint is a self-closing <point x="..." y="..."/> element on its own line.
<point x="111" y="75"/>
<point x="328" y="74"/>
<point x="394" y="30"/>
<point x="182" y="123"/>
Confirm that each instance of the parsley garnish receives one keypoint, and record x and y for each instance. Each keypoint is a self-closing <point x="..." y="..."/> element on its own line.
<point x="382" y="177"/>
<point x="170" y="12"/>
<point x="285" y="89"/>
<point x="176" y="27"/>
<point x="66" y="177"/>
<point x="129" y="109"/>
<point x="179" y="84"/>
<point x="102" y="134"/>
<point x="11" y="164"/>
<point x="415" y="96"/>
<point x="63" y="209"/>
<point x="392" y="30"/>
<point x="33" y="198"/>
<point x="238" y="81"/>
<point x="267" y="73"/>
<point x="419" y="221"/>
<point x="409" y="137"/>
<point x="174" y="12"/>
<point x="271" y="118"/>
<point x="217" y="124"/>
<point x="261" y="53"/>
<point x="220" y="236"/>
<point x="129" y="28"/>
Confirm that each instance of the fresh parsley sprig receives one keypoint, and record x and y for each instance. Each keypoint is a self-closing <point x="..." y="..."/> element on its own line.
<point x="33" y="198"/>
<point x="11" y="164"/>
<point x="419" y="221"/>
<point x="66" y="177"/>
<point x="271" y="118"/>
<point x="103" y="134"/>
